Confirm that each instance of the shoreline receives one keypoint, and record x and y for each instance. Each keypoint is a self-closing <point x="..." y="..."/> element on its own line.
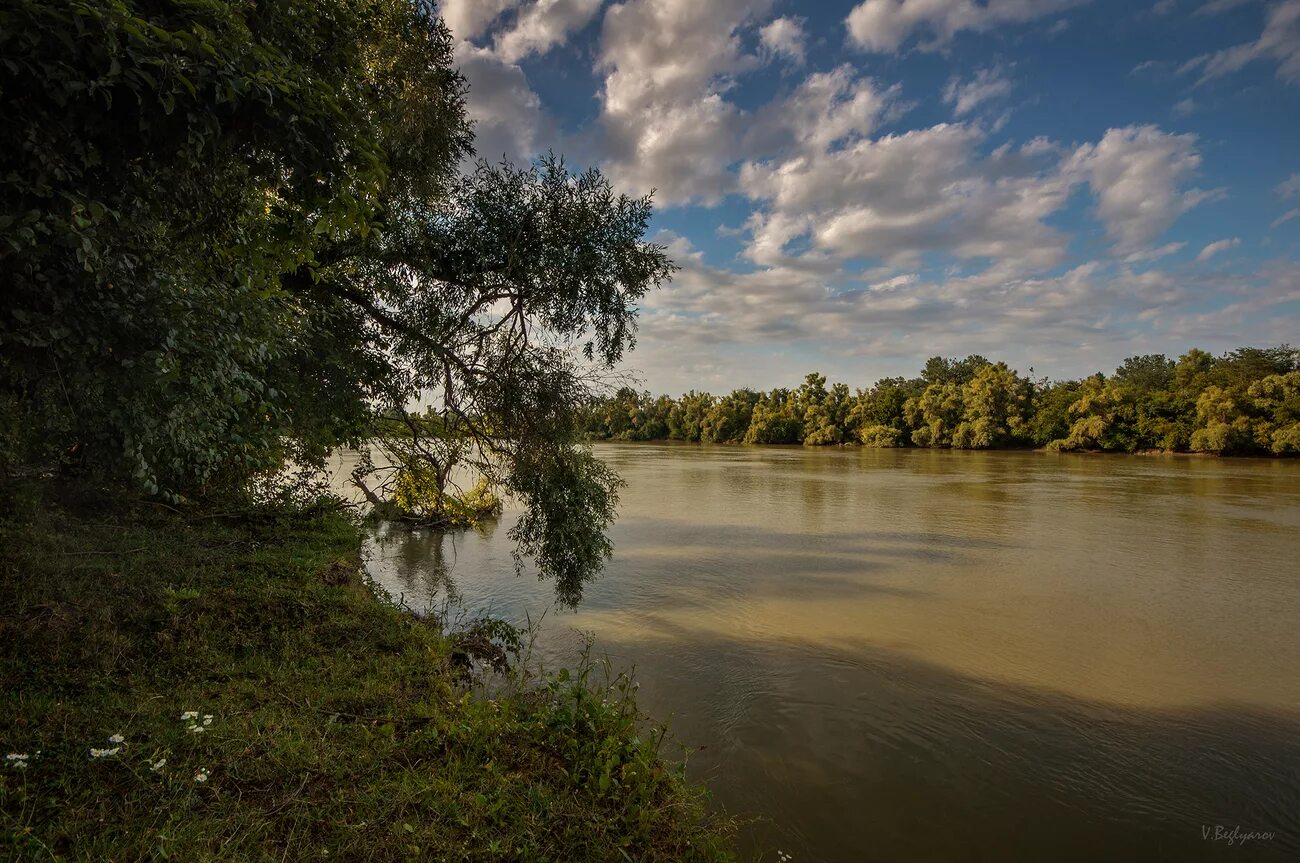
<point x="1010" y="449"/>
<point x="227" y="684"/>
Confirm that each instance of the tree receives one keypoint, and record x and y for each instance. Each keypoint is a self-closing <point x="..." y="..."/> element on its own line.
<point x="1146" y="373"/>
<point x="1222" y="427"/>
<point x="1051" y="418"/>
<point x="952" y="371"/>
<point x="935" y="414"/>
<point x="728" y="420"/>
<point x="823" y="413"/>
<point x="1238" y="369"/>
<point x="880" y="437"/>
<point x="686" y="418"/>
<point x="883" y="405"/>
<point x="775" y="419"/>
<point x="1099" y="413"/>
<point x="237" y="234"/>
<point x="995" y="403"/>
<point x="1276" y="402"/>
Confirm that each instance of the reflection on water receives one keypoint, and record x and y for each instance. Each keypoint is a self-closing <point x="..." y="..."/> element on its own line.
<point x="927" y="655"/>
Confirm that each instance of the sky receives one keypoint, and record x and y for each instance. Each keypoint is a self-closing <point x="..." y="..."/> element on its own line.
<point x="851" y="187"/>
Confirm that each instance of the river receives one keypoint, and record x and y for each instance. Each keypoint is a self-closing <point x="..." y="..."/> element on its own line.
<point x="919" y="655"/>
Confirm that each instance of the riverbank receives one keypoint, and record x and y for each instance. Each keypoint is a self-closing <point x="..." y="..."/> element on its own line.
<point x="223" y="685"/>
<point x="849" y="445"/>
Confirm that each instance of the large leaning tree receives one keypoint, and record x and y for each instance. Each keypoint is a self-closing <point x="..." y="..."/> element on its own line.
<point x="236" y="234"/>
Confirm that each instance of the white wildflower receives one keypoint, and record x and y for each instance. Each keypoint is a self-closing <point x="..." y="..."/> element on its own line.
<point x="189" y="714"/>
<point x="117" y="738"/>
<point x="196" y="729"/>
<point x="201" y="776"/>
<point x="158" y="765"/>
<point x="104" y="753"/>
<point x="17" y="760"/>
<point x="207" y="719"/>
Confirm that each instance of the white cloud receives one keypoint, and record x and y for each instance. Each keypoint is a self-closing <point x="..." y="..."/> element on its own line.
<point x="1280" y="43"/>
<point x="884" y="25"/>
<point x="1137" y="175"/>
<point x="1286" y="217"/>
<point x="784" y="37"/>
<point x="1290" y="187"/>
<point x="507" y="114"/>
<point x="1214" y="7"/>
<point x="826" y="110"/>
<point x="542" y="25"/>
<point x="469" y="19"/>
<point x="1214" y="248"/>
<point x="1184" y="108"/>
<point x="750" y="328"/>
<point x="865" y="239"/>
<point x="965" y="96"/>
<point x="666" y="121"/>
<point x="1153" y="254"/>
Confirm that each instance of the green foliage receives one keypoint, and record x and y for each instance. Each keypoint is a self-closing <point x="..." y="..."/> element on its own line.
<point x="417" y="493"/>
<point x="570" y="500"/>
<point x="728" y="421"/>
<point x="1150" y="403"/>
<point x="775" y="419"/>
<point x="880" y="437"/>
<point x="934" y="414"/>
<point x="1051" y="416"/>
<point x="340" y="727"/>
<point x="236" y="235"/>
<point x="1146" y="373"/>
<point x="686" y="416"/>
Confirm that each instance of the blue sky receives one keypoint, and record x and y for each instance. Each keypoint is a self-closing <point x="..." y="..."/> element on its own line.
<point x="852" y="187"/>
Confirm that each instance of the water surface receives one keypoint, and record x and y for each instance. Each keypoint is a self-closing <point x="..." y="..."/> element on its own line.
<point x="898" y="655"/>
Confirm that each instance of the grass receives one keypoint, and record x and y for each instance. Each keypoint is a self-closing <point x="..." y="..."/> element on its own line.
<point x="339" y="730"/>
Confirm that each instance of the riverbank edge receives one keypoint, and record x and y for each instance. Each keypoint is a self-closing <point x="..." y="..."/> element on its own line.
<point x="1175" y="453"/>
<point x="224" y="685"/>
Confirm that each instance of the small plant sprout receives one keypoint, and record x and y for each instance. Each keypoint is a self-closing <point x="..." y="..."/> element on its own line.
<point x="189" y="715"/>
<point x="104" y="753"/>
<point x="158" y="765"/>
<point x="201" y="776"/>
<point x="117" y="738"/>
<point x="17" y="760"/>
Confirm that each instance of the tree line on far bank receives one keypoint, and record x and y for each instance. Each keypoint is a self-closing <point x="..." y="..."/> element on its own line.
<point x="1245" y="401"/>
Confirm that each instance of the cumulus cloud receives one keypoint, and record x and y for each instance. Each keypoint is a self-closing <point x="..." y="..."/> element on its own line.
<point x="1154" y="254"/>
<point x="784" y="37"/>
<point x="864" y="238"/>
<point x="1214" y="248"/>
<point x="542" y="25"/>
<point x="896" y="197"/>
<point x="507" y="114"/>
<point x="667" y="67"/>
<point x="1215" y="7"/>
<point x="965" y="96"/>
<point x="1138" y="175"/>
<point x="1279" y="43"/>
<point x="469" y="19"/>
<point x="884" y="25"/>
<point x="1110" y="307"/>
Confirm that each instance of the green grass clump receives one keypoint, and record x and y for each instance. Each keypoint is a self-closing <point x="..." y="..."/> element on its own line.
<point x="271" y="707"/>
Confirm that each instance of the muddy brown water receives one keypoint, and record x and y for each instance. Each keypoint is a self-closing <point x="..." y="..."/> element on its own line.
<point x="896" y="655"/>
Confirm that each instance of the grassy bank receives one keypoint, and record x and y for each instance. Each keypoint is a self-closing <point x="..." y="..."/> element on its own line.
<point x="223" y="686"/>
